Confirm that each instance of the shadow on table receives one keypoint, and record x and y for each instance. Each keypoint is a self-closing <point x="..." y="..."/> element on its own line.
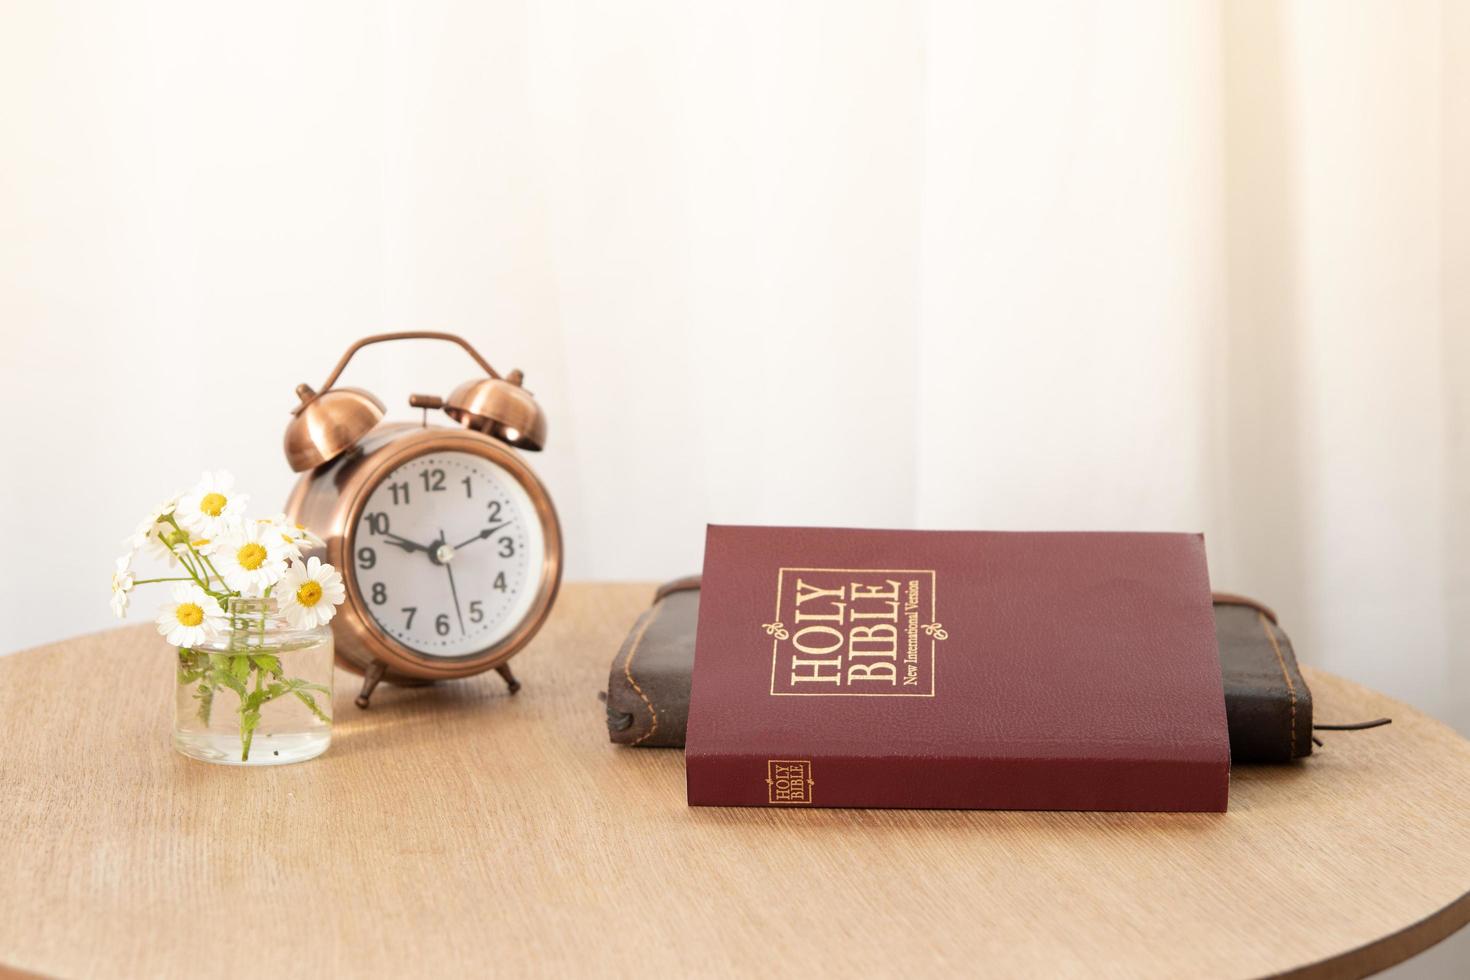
<point x="400" y="717"/>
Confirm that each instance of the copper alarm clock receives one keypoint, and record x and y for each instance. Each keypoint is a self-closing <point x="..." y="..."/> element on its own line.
<point x="448" y="543"/>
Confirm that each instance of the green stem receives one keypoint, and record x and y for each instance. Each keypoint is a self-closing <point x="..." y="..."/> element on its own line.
<point x="248" y="736"/>
<point x="199" y="564"/>
<point x="205" y="559"/>
<point x="189" y="566"/>
<point x="203" y="562"/>
<point x="149" y="581"/>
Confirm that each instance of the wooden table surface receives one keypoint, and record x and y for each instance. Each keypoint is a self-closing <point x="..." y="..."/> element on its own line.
<point x="458" y="830"/>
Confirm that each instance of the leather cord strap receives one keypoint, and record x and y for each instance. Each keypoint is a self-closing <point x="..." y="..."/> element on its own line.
<point x="617" y="721"/>
<point x="1231" y="599"/>
<point x="685" y="584"/>
<point x="1356" y="726"/>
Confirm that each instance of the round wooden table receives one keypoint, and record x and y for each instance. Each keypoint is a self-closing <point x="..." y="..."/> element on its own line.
<point x="458" y="830"/>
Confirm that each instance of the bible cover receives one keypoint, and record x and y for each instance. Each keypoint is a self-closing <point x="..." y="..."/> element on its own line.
<point x="956" y="669"/>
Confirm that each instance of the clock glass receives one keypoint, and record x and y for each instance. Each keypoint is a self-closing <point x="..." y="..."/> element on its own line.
<point x="447" y="554"/>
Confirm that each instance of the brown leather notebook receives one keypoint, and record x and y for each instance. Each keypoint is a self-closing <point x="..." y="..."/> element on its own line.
<point x="1268" y="707"/>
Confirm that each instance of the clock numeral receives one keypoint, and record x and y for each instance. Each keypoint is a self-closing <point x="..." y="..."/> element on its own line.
<point x="441" y="624"/>
<point x="367" y="558"/>
<point x="476" y="613"/>
<point x="467" y="493"/>
<point x="433" y="480"/>
<point x="507" y="547"/>
<point x="398" y="488"/>
<point x="410" y="610"/>
<point x="494" y="508"/>
<point x="380" y="593"/>
<point x="499" y="585"/>
<point x="377" y="522"/>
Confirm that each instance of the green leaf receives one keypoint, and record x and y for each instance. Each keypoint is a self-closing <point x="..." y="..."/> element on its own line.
<point x="223" y="678"/>
<point x="310" y="702"/>
<point x="302" y="689"/>
<point x="240" y="667"/>
<point x="297" y="684"/>
<point x="205" y="695"/>
<point x="191" y="666"/>
<point x="268" y="662"/>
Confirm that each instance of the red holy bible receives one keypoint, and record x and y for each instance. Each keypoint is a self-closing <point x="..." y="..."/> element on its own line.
<point x="964" y="669"/>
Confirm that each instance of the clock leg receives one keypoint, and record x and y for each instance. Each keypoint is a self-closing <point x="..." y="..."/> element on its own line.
<point x="510" y="680"/>
<point x="369" y="681"/>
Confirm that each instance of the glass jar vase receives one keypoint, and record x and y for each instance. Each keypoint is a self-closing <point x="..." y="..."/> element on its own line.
<point x="259" y="694"/>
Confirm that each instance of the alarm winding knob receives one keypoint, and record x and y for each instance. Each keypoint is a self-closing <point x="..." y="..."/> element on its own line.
<point x="499" y="407"/>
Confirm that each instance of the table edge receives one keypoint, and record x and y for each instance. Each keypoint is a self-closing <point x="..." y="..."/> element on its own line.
<point x="1390" y="950"/>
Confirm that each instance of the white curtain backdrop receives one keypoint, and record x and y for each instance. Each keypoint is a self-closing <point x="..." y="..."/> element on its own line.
<point x="1186" y="266"/>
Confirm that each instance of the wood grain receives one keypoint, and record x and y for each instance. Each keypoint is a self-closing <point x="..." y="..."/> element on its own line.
<point x="458" y="830"/>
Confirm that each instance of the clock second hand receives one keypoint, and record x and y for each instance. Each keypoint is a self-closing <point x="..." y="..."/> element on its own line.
<point x="452" y="590"/>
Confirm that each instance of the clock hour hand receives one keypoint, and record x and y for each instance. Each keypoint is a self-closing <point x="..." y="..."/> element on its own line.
<point x="405" y="544"/>
<point x="482" y="535"/>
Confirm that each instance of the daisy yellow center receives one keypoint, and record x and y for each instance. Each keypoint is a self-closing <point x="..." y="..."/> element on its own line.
<point x="251" y="557"/>
<point x="188" y="614"/>
<point x="213" y="504"/>
<point x="309" y="594"/>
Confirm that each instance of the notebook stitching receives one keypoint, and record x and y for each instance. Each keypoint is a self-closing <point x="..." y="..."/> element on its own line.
<point x="1290" y="687"/>
<point x="628" y="673"/>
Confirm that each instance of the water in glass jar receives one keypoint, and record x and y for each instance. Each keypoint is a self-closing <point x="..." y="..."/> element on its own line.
<point x="280" y="689"/>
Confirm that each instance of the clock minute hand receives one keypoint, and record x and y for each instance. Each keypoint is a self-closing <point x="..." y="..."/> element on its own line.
<point x="482" y="535"/>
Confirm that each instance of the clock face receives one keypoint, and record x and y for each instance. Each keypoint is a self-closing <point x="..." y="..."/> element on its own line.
<point x="447" y="554"/>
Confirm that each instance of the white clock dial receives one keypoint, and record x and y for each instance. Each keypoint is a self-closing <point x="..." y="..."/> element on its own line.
<point x="447" y="554"/>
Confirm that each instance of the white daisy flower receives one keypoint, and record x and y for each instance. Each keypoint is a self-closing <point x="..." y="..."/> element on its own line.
<point x="251" y="557"/>
<point x="308" y="539"/>
<point x="211" y="507"/>
<point x="157" y="538"/>
<point x="157" y="514"/>
<point x="191" y="618"/>
<point x="296" y="536"/>
<point x="148" y="529"/>
<point x="310" y="593"/>
<point x="122" y="584"/>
